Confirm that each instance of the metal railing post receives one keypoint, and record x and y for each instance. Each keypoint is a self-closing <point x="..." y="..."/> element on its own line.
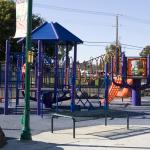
<point x="127" y="121"/>
<point x="73" y="127"/>
<point x="57" y="116"/>
<point x="105" y="118"/>
<point x="52" y="124"/>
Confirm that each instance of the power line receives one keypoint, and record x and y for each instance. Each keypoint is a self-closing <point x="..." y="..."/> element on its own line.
<point x="129" y="48"/>
<point x="127" y="45"/>
<point x="96" y="45"/>
<point x="96" y="42"/>
<point x="139" y="20"/>
<point x="74" y="10"/>
<point x="91" y="12"/>
<point x="95" y="13"/>
<point x="132" y="46"/>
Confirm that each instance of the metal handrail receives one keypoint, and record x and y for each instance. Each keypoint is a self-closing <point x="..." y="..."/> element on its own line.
<point x="64" y="116"/>
<point x="74" y="121"/>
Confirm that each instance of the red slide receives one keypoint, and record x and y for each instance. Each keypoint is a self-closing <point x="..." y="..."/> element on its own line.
<point x="125" y="92"/>
<point x="114" y="90"/>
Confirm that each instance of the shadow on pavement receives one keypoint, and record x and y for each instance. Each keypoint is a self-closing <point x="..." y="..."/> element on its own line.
<point x="27" y="145"/>
<point x="104" y="146"/>
<point x="122" y="133"/>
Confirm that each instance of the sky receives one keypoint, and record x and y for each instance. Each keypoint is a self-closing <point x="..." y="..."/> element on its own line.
<point x="99" y="21"/>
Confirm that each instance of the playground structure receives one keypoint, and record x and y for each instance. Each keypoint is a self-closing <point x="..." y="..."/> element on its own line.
<point x="63" y="84"/>
<point x="54" y="80"/>
<point x="56" y="35"/>
<point x="133" y="75"/>
<point x="91" y="81"/>
<point x="133" y="70"/>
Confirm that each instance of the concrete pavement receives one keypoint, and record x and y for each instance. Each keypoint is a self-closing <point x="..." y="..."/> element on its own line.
<point x="112" y="137"/>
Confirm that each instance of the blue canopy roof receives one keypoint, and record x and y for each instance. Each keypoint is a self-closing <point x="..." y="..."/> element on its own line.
<point x="54" y="32"/>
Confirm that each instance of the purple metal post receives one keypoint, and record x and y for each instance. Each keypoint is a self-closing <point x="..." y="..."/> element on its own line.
<point x="73" y="89"/>
<point x="67" y="63"/>
<point x="36" y="73"/>
<point x="7" y="61"/>
<point x="67" y="55"/>
<point x="42" y="59"/>
<point x="124" y="69"/>
<point x="106" y="87"/>
<point x="39" y="68"/>
<point x="117" y="61"/>
<point x="148" y="68"/>
<point x="136" y="92"/>
<point x="124" y="65"/>
<point x="17" y="81"/>
<point x="56" y="75"/>
<point x="23" y="54"/>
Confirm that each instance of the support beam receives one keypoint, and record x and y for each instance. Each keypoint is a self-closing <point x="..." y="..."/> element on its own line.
<point x="23" y="55"/>
<point x="148" y="68"/>
<point x="73" y="88"/>
<point x="56" y="75"/>
<point x="7" y="63"/>
<point x="17" y="80"/>
<point x="39" y="78"/>
<point x="136" y="92"/>
<point x="106" y="80"/>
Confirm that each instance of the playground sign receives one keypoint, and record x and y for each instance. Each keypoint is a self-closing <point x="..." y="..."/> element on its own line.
<point x="21" y="18"/>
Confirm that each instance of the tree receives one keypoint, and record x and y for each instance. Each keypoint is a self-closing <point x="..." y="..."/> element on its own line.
<point x="111" y="51"/>
<point x="36" y="21"/>
<point x="50" y="48"/>
<point x="145" y="51"/>
<point x="8" y="24"/>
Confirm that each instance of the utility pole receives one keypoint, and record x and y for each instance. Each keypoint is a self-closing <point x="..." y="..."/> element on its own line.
<point x="117" y="26"/>
<point x="26" y="134"/>
<point x="117" y="47"/>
